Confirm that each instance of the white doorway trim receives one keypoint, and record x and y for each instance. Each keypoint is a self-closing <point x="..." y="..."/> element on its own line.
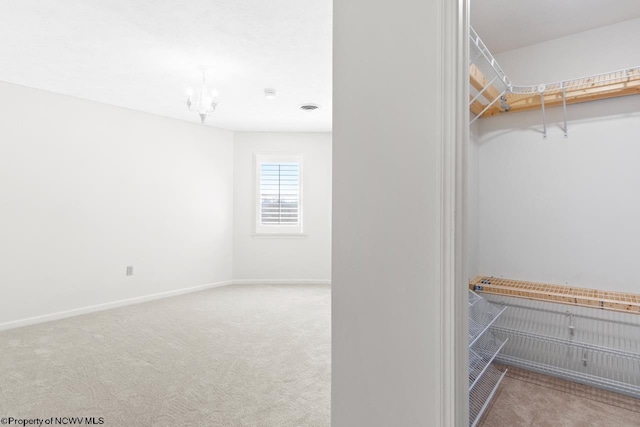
<point x="454" y="140"/>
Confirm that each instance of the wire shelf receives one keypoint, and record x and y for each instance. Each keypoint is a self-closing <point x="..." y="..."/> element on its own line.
<point x="595" y="330"/>
<point x="481" y="355"/>
<point x="492" y="93"/>
<point x="571" y="375"/>
<point x="481" y="57"/>
<point x="488" y="82"/>
<point x="570" y="295"/>
<point x="582" y="83"/>
<point x="484" y="378"/>
<point x="598" y="348"/>
<point x="576" y="344"/>
<point x="482" y="315"/>
<point x="620" y="374"/>
<point x="483" y="392"/>
<point x="473" y="297"/>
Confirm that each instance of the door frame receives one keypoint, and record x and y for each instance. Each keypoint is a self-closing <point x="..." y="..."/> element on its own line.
<point x="454" y="142"/>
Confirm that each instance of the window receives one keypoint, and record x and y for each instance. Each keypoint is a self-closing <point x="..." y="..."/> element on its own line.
<point x="279" y="194"/>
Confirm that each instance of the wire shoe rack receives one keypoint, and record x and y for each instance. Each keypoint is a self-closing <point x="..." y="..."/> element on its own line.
<point x="482" y="315"/>
<point x="484" y="347"/>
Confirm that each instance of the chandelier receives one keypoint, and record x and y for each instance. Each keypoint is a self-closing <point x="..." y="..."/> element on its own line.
<point x="204" y="101"/>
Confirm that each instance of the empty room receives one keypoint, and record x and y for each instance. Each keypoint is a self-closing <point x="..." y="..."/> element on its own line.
<point x="165" y="174"/>
<point x="301" y="213"/>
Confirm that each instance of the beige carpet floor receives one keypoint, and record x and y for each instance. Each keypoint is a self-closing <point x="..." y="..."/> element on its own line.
<point x="534" y="400"/>
<point x="231" y="356"/>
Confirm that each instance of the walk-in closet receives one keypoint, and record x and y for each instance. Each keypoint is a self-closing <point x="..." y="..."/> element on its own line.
<point x="554" y="213"/>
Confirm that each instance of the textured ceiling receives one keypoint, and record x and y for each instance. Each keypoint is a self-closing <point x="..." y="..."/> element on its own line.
<point x="143" y="54"/>
<point x="509" y="24"/>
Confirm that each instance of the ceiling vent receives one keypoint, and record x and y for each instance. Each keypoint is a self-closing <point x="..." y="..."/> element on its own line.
<point x="309" y="107"/>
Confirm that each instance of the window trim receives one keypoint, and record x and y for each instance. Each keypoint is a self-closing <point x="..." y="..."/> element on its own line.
<point x="284" y="231"/>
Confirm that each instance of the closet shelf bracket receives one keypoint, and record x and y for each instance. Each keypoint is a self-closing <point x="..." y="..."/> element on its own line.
<point x="544" y="114"/>
<point x="565" y="129"/>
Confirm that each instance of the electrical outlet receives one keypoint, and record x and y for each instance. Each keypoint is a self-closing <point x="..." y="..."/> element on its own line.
<point x="130" y="270"/>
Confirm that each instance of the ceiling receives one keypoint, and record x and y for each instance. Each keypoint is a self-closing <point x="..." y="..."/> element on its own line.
<point x="143" y="54"/>
<point x="510" y="24"/>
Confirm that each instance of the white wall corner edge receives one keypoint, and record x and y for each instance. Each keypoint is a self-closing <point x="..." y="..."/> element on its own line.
<point x="109" y="305"/>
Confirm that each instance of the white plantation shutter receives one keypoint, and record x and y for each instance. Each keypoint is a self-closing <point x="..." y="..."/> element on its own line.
<point x="279" y="193"/>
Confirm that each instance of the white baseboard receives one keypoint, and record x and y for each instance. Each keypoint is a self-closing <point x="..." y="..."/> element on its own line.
<point x="136" y="300"/>
<point x="280" y="282"/>
<point x="106" y="306"/>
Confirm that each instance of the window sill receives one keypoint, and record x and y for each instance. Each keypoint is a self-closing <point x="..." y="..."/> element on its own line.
<point x="279" y="236"/>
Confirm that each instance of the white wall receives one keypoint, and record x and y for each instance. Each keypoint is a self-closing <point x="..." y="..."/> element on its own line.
<point x="87" y="189"/>
<point x="564" y="210"/>
<point x="596" y="51"/>
<point x="299" y="259"/>
<point x="386" y="309"/>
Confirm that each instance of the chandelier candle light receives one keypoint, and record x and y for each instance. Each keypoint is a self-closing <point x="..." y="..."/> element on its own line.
<point x="205" y="100"/>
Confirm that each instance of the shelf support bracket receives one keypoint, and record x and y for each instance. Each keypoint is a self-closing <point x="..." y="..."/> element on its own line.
<point x="565" y="129"/>
<point x="544" y="116"/>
